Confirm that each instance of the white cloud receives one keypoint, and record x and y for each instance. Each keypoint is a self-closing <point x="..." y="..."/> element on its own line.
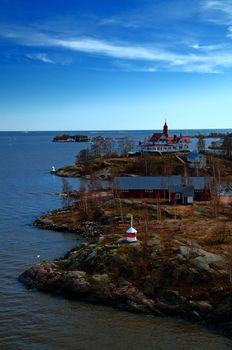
<point x="149" y="14"/>
<point x="218" y="11"/>
<point x="201" y="68"/>
<point x="218" y="5"/>
<point x="208" y="48"/>
<point x="101" y="47"/>
<point x="207" y="59"/>
<point x="209" y="62"/>
<point x="229" y="35"/>
<point x="133" y="67"/>
<point x="40" y="57"/>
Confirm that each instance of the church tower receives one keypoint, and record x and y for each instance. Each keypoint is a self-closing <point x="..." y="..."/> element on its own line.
<point x="165" y="129"/>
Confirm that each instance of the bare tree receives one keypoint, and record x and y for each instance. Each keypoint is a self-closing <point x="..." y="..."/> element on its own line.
<point x="102" y="146"/>
<point x="126" y="145"/>
<point x="83" y="156"/>
<point x="145" y="234"/>
<point x="227" y="146"/>
<point x="66" y="193"/>
<point x="83" y="204"/>
<point x="158" y="206"/>
<point x="201" y="143"/>
<point x="117" y="196"/>
<point x="215" y="192"/>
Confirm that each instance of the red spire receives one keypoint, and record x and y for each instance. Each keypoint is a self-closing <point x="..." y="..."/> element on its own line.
<point x="165" y="129"/>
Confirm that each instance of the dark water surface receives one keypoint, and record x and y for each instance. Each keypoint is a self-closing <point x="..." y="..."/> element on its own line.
<point x="33" y="320"/>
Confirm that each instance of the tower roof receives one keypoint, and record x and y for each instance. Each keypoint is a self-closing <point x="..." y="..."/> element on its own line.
<point x="131" y="230"/>
<point x="165" y="129"/>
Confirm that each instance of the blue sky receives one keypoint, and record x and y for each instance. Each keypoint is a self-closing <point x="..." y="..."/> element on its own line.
<point x="115" y="64"/>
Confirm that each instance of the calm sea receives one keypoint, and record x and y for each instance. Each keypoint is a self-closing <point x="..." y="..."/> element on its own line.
<point x="31" y="320"/>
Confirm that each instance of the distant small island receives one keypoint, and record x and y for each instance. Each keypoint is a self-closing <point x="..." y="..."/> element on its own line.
<point x="71" y="138"/>
<point x="213" y="134"/>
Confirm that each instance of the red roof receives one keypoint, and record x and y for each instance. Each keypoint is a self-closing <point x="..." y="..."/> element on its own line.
<point x="171" y="139"/>
<point x="155" y="137"/>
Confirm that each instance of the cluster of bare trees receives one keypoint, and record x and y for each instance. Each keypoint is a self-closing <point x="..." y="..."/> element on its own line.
<point x="100" y="147"/>
<point x="67" y="198"/>
<point x="89" y="205"/>
<point x="105" y="147"/>
<point x="154" y="165"/>
<point x="125" y="145"/>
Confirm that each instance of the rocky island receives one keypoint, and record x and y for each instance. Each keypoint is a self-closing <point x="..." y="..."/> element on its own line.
<point x="181" y="265"/>
<point x="71" y="138"/>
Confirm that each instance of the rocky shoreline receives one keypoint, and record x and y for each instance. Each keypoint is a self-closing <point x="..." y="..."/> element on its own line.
<point x="160" y="277"/>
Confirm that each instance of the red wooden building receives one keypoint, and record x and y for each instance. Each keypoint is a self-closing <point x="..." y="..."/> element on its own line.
<point x="174" y="189"/>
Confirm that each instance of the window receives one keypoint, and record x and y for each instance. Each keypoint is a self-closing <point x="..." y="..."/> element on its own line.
<point x="177" y="196"/>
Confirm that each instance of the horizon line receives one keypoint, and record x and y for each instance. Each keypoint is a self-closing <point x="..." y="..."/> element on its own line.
<point x="105" y="130"/>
